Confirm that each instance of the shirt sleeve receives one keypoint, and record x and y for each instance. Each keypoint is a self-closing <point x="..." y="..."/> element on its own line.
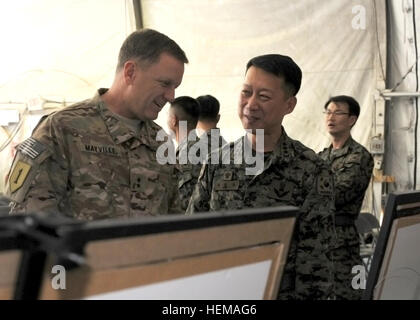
<point x="316" y="239"/>
<point x="174" y="199"/>
<point x="37" y="181"/>
<point x="353" y="177"/>
<point x="200" y="198"/>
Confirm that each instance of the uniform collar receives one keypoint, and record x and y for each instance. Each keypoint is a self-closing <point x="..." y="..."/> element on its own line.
<point x="342" y="151"/>
<point x="283" y="152"/>
<point x="120" y="132"/>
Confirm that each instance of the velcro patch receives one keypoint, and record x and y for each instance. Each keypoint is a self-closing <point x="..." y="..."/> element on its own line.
<point x="325" y="185"/>
<point x="31" y="147"/>
<point x="109" y="150"/>
<point x="226" y="185"/>
<point x="227" y="175"/>
<point x="18" y="176"/>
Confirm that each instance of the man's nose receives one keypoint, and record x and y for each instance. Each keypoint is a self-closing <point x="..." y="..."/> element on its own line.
<point x="252" y="103"/>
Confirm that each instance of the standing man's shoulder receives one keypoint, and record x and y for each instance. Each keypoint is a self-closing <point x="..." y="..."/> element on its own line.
<point x="306" y="157"/>
<point x="76" y="115"/>
<point x="313" y="166"/>
<point x="359" y="155"/>
<point x="324" y="153"/>
<point x="359" y="149"/>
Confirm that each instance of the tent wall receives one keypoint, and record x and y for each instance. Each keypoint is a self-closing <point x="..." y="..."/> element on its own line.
<point x="402" y="147"/>
<point x="54" y="53"/>
<point x="340" y="46"/>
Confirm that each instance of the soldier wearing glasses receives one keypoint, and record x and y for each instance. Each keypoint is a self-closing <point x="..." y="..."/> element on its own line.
<point x="352" y="166"/>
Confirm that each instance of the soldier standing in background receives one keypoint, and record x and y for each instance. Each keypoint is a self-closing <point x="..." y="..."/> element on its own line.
<point x="182" y="120"/>
<point x="290" y="174"/>
<point x="96" y="159"/>
<point x="352" y="166"/>
<point x="207" y="122"/>
<point x="198" y="148"/>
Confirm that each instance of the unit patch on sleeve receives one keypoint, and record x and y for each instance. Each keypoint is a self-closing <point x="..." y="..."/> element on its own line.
<point x="18" y="175"/>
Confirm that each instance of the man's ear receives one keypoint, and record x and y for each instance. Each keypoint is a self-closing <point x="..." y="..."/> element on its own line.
<point x="218" y="118"/>
<point x="353" y="120"/>
<point x="174" y="121"/>
<point x="129" y="71"/>
<point x="291" y="104"/>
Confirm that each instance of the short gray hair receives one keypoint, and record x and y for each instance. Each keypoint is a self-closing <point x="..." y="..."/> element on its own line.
<point x="147" y="45"/>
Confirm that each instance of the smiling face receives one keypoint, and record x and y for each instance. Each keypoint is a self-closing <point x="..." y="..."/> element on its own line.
<point x="264" y="101"/>
<point x="151" y="86"/>
<point x="338" y="120"/>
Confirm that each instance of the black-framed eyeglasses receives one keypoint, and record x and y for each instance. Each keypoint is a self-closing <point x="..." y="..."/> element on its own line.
<point x="335" y="113"/>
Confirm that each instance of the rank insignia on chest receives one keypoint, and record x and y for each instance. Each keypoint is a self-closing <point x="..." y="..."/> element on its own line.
<point x="324" y="185"/>
<point x="228" y="175"/>
<point x="226" y="185"/>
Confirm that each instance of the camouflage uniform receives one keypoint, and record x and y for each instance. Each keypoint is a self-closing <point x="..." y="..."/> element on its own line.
<point x="352" y="167"/>
<point x="85" y="163"/>
<point x="293" y="175"/>
<point x="188" y="172"/>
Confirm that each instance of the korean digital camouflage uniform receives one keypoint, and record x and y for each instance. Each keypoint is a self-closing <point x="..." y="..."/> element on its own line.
<point x="87" y="164"/>
<point x="188" y="172"/>
<point x="352" y="167"/>
<point x="292" y="175"/>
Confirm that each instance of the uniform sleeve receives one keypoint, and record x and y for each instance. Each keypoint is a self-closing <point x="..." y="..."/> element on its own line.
<point x="37" y="180"/>
<point x="174" y="199"/>
<point x="200" y="198"/>
<point x="316" y="239"/>
<point x="353" y="177"/>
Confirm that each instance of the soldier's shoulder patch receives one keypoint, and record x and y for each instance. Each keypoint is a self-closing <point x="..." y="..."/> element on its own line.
<point x="18" y="175"/>
<point x="32" y="148"/>
<point x="325" y="184"/>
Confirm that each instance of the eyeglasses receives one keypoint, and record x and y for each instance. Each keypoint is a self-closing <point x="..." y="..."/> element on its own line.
<point x="335" y="113"/>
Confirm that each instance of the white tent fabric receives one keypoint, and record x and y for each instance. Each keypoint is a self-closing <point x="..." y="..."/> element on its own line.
<point x="338" y="45"/>
<point x="404" y="52"/>
<point x="63" y="51"/>
<point x="55" y="51"/>
<point x="321" y="36"/>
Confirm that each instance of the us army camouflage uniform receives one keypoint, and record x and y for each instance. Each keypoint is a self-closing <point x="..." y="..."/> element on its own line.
<point x="352" y="166"/>
<point x="85" y="163"/>
<point x="293" y="175"/>
<point x="188" y="172"/>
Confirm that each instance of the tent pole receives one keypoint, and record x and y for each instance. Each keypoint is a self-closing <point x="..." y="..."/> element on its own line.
<point x="138" y="14"/>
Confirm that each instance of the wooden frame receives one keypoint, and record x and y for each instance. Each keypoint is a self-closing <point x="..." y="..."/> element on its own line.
<point x="136" y="254"/>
